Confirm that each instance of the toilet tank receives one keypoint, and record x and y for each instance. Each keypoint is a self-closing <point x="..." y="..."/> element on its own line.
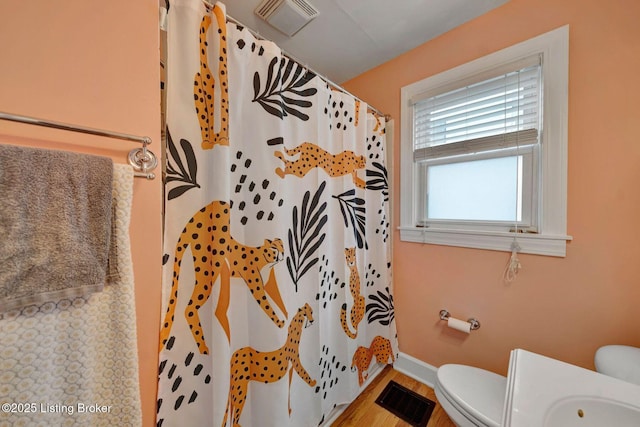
<point x="619" y="361"/>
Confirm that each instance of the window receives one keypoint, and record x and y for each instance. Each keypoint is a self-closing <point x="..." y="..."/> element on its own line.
<point x="475" y="148"/>
<point x="484" y="151"/>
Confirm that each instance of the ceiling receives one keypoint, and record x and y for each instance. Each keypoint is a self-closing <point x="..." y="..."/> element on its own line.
<point x="349" y="37"/>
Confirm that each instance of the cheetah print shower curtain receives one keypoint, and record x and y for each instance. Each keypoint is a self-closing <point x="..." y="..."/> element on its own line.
<point x="277" y="295"/>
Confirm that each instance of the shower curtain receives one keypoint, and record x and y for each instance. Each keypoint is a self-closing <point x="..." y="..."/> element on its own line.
<point x="277" y="295"/>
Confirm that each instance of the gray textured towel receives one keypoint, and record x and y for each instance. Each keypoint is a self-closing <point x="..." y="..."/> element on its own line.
<point x="55" y="224"/>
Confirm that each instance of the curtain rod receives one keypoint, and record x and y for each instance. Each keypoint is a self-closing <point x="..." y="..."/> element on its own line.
<point x="142" y="159"/>
<point x="387" y="117"/>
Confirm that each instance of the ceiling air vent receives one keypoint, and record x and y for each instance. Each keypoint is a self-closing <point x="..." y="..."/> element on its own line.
<point x="287" y="16"/>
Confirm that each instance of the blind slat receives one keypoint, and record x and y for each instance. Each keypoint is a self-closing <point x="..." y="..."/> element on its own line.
<point x="525" y="78"/>
<point x="484" y="129"/>
<point x="488" y="110"/>
<point x="527" y="94"/>
<point x="527" y="62"/>
<point x="522" y="138"/>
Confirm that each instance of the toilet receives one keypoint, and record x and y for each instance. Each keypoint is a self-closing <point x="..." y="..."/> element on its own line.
<point x="471" y="396"/>
<point x="475" y="397"/>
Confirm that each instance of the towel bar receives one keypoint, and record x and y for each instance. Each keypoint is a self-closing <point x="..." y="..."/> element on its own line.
<point x="142" y="159"/>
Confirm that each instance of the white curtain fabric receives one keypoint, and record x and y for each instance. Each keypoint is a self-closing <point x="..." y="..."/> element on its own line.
<point x="277" y="291"/>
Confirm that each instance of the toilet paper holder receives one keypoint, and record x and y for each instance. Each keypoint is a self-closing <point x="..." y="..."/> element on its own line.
<point x="475" y="324"/>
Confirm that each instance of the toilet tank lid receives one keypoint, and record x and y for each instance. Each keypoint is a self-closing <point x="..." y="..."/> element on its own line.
<point x="479" y="392"/>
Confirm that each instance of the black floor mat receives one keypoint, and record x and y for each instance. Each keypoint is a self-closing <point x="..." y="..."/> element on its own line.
<point x="406" y="404"/>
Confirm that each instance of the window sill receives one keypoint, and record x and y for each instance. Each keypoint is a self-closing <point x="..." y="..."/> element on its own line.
<point x="539" y="244"/>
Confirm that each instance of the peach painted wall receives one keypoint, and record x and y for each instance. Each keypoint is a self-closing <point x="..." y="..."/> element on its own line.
<point x="94" y="63"/>
<point x="561" y="307"/>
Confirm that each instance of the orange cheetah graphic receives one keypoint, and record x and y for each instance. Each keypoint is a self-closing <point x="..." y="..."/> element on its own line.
<point x="357" y="113"/>
<point x="249" y="364"/>
<point x="204" y="86"/>
<point x="217" y="254"/>
<point x="380" y="348"/>
<point x="358" y="309"/>
<point x="380" y="121"/>
<point x="312" y="156"/>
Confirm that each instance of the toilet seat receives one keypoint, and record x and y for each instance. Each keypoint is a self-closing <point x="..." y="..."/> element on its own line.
<point x="475" y="393"/>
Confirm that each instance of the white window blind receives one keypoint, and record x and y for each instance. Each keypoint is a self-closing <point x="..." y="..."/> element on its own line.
<point x="487" y="113"/>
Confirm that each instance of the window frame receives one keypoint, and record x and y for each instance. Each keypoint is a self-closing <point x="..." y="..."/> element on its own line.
<point x="551" y="195"/>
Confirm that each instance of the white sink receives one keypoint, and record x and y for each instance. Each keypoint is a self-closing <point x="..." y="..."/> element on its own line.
<point x="587" y="411"/>
<point x="546" y="392"/>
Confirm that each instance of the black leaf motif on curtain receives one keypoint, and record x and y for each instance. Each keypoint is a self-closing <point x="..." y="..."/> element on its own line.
<point x="379" y="180"/>
<point x="380" y="308"/>
<point x="305" y="237"/>
<point x="283" y="94"/>
<point x="176" y="170"/>
<point x="353" y="212"/>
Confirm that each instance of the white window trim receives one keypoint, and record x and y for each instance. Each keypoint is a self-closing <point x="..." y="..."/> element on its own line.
<point x="551" y="239"/>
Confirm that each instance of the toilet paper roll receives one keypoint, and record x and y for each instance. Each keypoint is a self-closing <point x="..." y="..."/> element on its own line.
<point x="459" y="325"/>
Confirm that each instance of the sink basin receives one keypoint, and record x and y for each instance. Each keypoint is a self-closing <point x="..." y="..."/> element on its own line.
<point x="542" y="391"/>
<point x="585" y="411"/>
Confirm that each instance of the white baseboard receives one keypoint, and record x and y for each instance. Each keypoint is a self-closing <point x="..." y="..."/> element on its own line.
<point x="416" y="369"/>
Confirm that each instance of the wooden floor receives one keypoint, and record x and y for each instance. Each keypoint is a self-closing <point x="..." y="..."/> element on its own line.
<point x="365" y="412"/>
